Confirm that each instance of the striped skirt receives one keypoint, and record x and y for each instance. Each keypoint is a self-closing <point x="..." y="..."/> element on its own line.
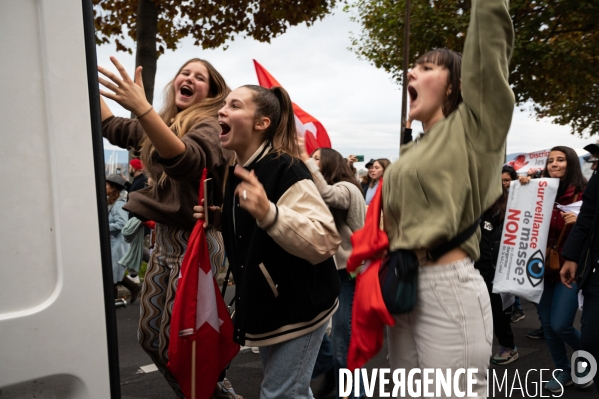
<point x="159" y="289"/>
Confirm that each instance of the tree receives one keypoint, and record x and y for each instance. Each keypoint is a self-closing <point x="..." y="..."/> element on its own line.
<point x="555" y="60"/>
<point x="157" y="25"/>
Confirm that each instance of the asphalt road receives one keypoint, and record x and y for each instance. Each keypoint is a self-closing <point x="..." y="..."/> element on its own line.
<point x="245" y="372"/>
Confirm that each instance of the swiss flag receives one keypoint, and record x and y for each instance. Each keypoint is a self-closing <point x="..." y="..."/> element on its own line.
<point x="307" y="125"/>
<point x="199" y="315"/>
<point x="369" y="313"/>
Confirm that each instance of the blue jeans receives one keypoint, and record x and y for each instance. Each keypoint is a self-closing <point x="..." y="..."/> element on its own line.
<point x="333" y="351"/>
<point x="288" y="366"/>
<point x="517" y="304"/>
<point x="557" y="309"/>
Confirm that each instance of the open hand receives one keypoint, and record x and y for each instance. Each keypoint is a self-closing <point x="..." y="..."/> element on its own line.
<point x="251" y="194"/>
<point x="128" y="93"/>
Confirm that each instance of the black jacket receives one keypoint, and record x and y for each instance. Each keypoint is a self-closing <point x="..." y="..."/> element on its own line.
<point x="582" y="245"/>
<point x="306" y="294"/>
<point x="139" y="182"/>
<point x="491" y="227"/>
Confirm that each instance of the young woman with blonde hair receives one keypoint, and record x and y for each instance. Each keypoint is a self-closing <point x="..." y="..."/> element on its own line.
<point x="280" y="239"/>
<point x="176" y="145"/>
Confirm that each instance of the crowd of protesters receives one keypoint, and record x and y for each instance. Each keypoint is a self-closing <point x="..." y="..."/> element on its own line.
<point x="285" y="218"/>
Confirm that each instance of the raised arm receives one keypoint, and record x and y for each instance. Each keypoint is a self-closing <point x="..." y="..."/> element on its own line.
<point x="105" y="111"/>
<point x="130" y="95"/>
<point x="488" y="98"/>
<point x="337" y="196"/>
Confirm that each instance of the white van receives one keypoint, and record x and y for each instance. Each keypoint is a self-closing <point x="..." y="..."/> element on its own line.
<point x="57" y="322"/>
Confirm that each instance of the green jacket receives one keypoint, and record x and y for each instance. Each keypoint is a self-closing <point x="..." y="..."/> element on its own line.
<point x="444" y="182"/>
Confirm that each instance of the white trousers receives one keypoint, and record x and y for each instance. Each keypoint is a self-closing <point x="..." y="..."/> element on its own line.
<point x="451" y="327"/>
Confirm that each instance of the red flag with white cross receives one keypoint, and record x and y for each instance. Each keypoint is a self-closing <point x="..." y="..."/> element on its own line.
<point x="308" y="126"/>
<point x="201" y="333"/>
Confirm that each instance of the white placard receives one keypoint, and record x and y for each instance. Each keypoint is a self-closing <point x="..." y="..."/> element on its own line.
<point x="521" y="263"/>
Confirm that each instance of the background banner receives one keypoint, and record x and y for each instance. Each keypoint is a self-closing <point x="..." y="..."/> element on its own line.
<point x="521" y="263"/>
<point x="531" y="161"/>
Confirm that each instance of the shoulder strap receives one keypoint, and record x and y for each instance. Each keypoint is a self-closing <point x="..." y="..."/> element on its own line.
<point x="561" y="235"/>
<point x="442" y="249"/>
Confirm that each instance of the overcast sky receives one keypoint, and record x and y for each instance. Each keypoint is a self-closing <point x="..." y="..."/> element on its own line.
<point x="358" y="104"/>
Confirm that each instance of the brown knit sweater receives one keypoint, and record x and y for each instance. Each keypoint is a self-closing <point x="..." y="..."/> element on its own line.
<point x="171" y="202"/>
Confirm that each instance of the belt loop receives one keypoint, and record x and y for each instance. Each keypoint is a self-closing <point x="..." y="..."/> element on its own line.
<point x="463" y="270"/>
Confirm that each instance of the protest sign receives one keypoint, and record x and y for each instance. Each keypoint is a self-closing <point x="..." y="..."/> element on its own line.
<point x="521" y="263"/>
<point x="532" y="161"/>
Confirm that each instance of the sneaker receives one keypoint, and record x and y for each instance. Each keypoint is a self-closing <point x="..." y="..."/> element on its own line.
<point x="505" y="355"/>
<point x="517" y="315"/>
<point x="536" y="334"/>
<point x="561" y="380"/>
<point x="255" y="349"/>
<point x="224" y="390"/>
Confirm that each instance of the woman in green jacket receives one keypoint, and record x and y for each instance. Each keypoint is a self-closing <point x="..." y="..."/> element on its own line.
<point x="440" y="187"/>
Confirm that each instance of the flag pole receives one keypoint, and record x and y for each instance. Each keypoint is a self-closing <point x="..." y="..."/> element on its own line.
<point x="404" y="88"/>
<point x="193" y="369"/>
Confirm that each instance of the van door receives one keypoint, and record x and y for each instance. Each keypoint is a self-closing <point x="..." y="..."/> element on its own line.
<point x="57" y="325"/>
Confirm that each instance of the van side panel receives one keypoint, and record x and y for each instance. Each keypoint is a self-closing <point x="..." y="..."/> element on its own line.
<point x="52" y="313"/>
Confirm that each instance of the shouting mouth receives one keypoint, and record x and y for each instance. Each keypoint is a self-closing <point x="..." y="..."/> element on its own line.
<point x="225" y="129"/>
<point x="186" y="91"/>
<point x="413" y="93"/>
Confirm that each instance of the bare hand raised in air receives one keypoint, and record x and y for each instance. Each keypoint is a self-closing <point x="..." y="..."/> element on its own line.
<point x="127" y="93"/>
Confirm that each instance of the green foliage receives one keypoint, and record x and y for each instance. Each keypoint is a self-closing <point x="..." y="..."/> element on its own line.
<point x="555" y="59"/>
<point x="142" y="270"/>
<point x="210" y="22"/>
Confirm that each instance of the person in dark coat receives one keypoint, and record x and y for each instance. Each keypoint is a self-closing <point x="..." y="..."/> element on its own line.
<point x="581" y="252"/>
<point x="491" y="226"/>
<point x="140" y="180"/>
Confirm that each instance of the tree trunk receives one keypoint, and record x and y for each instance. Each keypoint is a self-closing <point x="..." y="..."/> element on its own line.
<point x="146" y="54"/>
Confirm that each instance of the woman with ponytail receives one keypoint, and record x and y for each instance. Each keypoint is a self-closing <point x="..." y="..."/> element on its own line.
<point x="341" y="191"/>
<point x="280" y="239"/>
<point x="176" y="145"/>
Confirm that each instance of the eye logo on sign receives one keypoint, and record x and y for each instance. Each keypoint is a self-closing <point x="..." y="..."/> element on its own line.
<point x="583" y="371"/>
<point x="535" y="268"/>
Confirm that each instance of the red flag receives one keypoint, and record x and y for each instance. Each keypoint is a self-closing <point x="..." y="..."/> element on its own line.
<point x="316" y="135"/>
<point x="369" y="313"/>
<point x="199" y="315"/>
